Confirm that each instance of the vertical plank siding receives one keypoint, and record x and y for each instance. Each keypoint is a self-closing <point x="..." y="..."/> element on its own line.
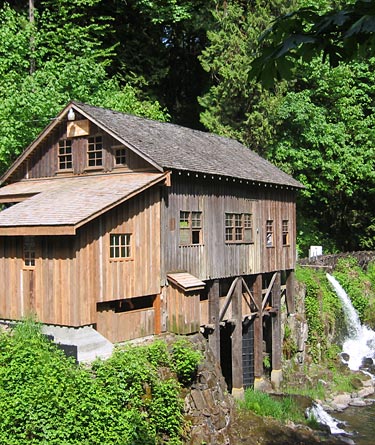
<point x="43" y="162"/>
<point x="73" y="273"/>
<point x="183" y="311"/>
<point x="215" y="258"/>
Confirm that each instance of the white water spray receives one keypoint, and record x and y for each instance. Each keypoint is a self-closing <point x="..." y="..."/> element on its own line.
<point x="360" y="343"/>
<point x="324" y="418"/>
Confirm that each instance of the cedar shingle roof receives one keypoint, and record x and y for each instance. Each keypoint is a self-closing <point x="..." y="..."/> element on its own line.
<point x="68" y="203"/>
<point x="171" y="146"/>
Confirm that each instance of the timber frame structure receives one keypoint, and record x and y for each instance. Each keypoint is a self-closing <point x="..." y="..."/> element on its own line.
<point x="137" y="227"/>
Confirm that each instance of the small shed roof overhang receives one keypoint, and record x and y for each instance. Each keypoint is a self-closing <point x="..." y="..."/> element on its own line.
<point x="186" y="281"/>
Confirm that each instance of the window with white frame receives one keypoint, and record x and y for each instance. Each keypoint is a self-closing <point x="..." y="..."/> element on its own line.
<point x="120" y="246"/>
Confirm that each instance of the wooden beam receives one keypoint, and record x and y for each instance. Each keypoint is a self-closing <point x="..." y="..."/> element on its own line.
<point x="258" y="329"/>
<point x="269" y="288"/>
<point x="276" y="324"/>
<point x="157" y="314"/>
<point x="228" y="298"/>
<point x="250" y="294"/>
<point x="214" y="318"/>
<point x="237" y="366"/>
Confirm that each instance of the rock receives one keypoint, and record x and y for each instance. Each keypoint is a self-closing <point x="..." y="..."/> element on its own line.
<point x="364" y="392"/>
<point x="345" y="357"/>
<point x="367" y="362"/>
<point x="357" y="402"/>
<point x="342" y="399"/>
<point x="368" y="383"/>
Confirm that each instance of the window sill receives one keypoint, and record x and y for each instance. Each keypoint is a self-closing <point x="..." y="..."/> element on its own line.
<point x="94" y="168"/>
<point x="238" y="242"/>
<point x="191" y="245"/>
<point x="120" y="260"/>
<point x="66" y="170"/>
<point x="270" y="247"/>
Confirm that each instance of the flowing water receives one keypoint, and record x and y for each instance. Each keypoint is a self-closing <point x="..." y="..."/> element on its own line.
<point x="359" y="345"/>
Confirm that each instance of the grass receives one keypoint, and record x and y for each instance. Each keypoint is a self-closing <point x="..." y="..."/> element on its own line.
<point x="283" y="408"/>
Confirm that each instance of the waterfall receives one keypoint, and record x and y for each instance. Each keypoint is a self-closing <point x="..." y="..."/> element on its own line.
<point x="360" y="343"/>
<point x="324" y="418"/>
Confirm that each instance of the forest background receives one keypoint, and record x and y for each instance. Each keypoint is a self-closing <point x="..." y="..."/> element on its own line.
<point x="188" y="62"/>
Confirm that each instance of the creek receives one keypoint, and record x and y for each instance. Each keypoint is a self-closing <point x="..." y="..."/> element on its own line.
<point x="358" y="348"/>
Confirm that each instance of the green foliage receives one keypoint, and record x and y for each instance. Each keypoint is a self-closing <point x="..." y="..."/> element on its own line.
<point x="185" y="360"/>
<point x="46" y="398"/>
<point x="283" y="408"/>
<point x="340" y="34"/>
<point x="324" y="137"/>
<point x="61" y="57"/>
<point x="322" y="309"/>
<point x="359" y="287"/>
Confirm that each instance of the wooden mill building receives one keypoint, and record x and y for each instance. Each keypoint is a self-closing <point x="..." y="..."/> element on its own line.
<point x="137" y="227"/>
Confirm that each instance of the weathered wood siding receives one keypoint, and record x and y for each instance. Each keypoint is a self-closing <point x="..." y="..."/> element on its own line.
<point x="183" y="311"/>
<point x="215" y="258"/>
<point x="44" y="160"/>
<point x="73" y="273"/>
<point x="140" y="275"/>
<point x="118" y="327"/>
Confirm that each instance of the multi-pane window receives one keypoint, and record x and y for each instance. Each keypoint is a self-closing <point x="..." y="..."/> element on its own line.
<point x="120" y="155"/>
<point x="29" y="251"/>
<point x="238" y="228"/>
<point x="190" y="228"/>
<point x="285" y="232"/>
<point x="120" y="245"/>
<point x="95" y="151"/>
<point x="269" y="233"/>
<point x="65" y="154"/>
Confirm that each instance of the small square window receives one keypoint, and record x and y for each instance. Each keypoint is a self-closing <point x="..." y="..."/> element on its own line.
<point x="120" y="246"/>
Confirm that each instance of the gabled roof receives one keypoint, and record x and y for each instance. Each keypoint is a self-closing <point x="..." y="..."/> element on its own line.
<point x="169" y="146"/>
<point x="61" y="205"/>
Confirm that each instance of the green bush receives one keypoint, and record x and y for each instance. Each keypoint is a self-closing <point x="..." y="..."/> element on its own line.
<point x="47" y="398"/>
<point x="185" y="360"/>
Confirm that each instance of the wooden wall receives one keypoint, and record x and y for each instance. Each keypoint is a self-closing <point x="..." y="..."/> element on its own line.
<point x="215" y="258"/>
<point x="183" y="311"/>
<point x="44" y="160"/>
<point x="73" y="273"/>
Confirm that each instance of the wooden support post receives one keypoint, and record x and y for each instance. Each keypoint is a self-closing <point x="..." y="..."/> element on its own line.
<point x="258" y="329"/>
<point x="157" y="315"/>
<point x="214" y="314"/>
<point x="290" y="291"/>
<point x="237" y="368"/>
<point x="276" y="373"/>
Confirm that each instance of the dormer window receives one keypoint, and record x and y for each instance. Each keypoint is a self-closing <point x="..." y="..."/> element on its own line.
<point x="95" y="151"/>
<point x="120" y="155"/>
<point x="65" y="155"/>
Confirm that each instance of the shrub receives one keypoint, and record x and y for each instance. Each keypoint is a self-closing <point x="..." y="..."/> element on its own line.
<point x="47" y="398"/>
